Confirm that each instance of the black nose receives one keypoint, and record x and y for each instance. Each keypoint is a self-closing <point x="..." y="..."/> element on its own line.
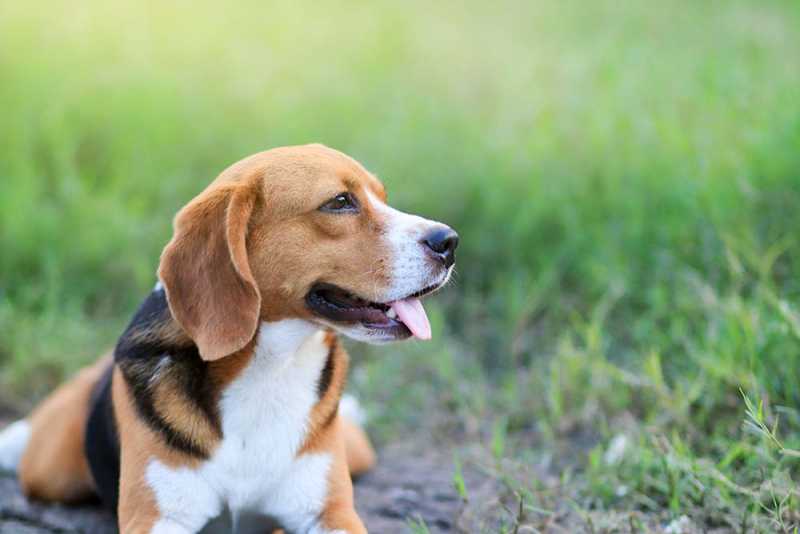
<point x="442" y="243"/>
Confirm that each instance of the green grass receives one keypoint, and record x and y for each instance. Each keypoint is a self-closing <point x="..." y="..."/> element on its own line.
<point x="625" y="177"/>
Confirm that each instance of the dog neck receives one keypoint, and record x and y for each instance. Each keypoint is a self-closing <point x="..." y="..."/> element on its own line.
<point x="281" y="340"/>
<point x="161" y="363"/>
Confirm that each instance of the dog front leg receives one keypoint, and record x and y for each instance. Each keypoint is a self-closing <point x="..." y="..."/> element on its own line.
<point x="339" y="514"/>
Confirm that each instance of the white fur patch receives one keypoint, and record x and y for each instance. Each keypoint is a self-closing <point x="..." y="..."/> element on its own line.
<point x="412" y="269"/>
<point x="264" y="414"/>
<point x="350" y="407"/>
<point x="13" y="441"/>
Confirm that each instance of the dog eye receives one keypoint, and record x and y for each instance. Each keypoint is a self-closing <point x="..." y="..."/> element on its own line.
<point x="341" y="203"/>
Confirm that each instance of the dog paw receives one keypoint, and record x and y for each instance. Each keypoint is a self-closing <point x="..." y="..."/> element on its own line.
<point x="13" y="441"/>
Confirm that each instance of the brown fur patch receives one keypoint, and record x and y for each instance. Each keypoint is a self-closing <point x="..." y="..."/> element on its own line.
<point x="138" y="510"/>
<point x="182" y="415"/>
<point x="339" y="512"/>
<point x="223" y="372"/>
<point x="206" y="275"/>
<point x="358" y="449"/>
<point x="54" y="466"/>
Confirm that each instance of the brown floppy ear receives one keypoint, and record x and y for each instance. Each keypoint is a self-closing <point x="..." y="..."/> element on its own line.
<point x="204" y="268"/>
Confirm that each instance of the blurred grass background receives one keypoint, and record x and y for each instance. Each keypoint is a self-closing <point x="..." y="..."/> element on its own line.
<point x="625" y="177"/>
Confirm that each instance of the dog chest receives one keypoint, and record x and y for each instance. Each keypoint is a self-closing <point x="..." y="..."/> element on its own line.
<point x="264" y="415"/>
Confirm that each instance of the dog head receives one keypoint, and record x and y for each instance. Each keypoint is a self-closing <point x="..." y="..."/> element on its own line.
<point x="301" y="232"/>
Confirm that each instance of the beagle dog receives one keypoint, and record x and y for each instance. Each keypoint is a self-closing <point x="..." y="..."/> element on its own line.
<point x="221" y="401"/>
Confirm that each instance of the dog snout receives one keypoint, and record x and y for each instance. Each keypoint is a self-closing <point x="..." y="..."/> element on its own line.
<point x="441" y="243"/>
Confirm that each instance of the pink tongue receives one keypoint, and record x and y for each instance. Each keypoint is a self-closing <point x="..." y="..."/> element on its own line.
<point x="412" y="314"/>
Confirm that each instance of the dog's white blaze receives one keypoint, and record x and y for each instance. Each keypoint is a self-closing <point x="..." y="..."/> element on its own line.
<point x="13" y="441"/>
<point x="255" y="469"/>
<point x="411" y="267"/>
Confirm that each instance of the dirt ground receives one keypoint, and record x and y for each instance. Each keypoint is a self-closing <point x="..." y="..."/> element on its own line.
<point x="407" y="487"/>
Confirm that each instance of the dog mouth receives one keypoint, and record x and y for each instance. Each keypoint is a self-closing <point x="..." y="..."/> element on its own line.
<point x="398" y="319"/>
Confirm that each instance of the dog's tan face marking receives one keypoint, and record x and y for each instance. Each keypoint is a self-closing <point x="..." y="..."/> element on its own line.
<point x="298" y="232"/>
<point x="293" y="244"/>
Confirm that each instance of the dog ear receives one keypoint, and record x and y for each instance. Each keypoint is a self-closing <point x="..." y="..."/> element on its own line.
<point x="206" y="274"/>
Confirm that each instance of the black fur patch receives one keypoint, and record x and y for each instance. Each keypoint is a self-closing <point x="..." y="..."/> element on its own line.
<point x="325" y="379"/>
<point x="145" y="359"/>
<point x="326" y="376"/>
<point x="101" y="444"/>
